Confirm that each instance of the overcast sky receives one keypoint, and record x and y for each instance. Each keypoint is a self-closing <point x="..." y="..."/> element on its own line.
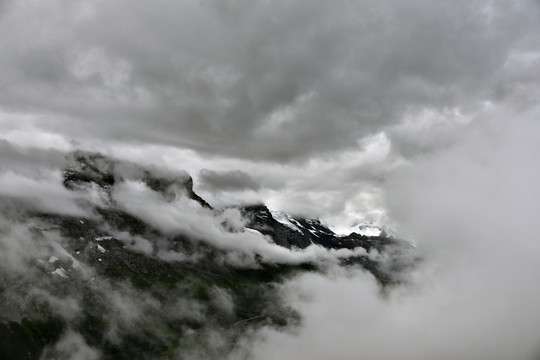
<point x="307" y="106"/>
<point x="312" y="102"/>
<point x="420" y="114"/>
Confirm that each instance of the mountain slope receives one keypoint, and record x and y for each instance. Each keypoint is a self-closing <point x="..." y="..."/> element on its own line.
<point x="148" y="269"/>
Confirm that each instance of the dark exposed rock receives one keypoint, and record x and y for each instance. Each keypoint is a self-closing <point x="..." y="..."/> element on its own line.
<point x="261" y="219"/>
<point x="309" y="231"/>
<point x="166" y="187"/>
<point x="85" y="168"/>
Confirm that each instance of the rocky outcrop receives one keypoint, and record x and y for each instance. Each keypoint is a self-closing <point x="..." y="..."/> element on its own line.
<point x="261" y="219"/>
<point x="292" y="232"/>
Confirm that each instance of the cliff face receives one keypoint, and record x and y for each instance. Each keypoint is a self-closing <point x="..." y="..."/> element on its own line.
<point x="115" y="284"/>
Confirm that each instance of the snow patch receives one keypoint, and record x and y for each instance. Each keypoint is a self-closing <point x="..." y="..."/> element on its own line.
<point x="60" y="272"/>
<point x="369" y="230"/>
<point x="285" y="219"/>
<point x="253" y="231"/>
<point x="101" y="238"/>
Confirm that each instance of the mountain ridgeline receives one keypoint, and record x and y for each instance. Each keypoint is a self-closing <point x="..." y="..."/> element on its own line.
<point x="147" y="269"/>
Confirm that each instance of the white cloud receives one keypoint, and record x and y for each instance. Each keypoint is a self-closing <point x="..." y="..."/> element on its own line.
<point x="472" y="208"/>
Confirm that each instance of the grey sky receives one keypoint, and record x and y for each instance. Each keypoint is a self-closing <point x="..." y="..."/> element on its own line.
<point x="227" y="180"/>
<point x="265" y="86"/>
<point x="274" y="80"/>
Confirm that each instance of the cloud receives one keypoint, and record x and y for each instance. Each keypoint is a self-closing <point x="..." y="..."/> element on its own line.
<point x="472" y="209"/>
<point x="71" y="346"/>
<point x="234" y="180"/>
<point x="287" y="93"/>
<point x="28" y="159"/>
<point x="265" y="80"/>
<point x="44" y="193"/>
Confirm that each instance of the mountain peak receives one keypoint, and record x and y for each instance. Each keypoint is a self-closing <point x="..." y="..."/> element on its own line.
<point x="180" y="268"/>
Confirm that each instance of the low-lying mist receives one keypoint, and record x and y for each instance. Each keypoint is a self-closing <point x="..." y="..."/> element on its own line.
<point x="473" y="211"/>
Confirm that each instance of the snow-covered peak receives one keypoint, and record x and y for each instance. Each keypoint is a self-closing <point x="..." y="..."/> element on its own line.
<point x="369" y="230"/>
<point x="366" y="228"/>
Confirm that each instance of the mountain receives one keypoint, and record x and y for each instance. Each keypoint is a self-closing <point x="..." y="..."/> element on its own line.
<point x="145" y="268"/>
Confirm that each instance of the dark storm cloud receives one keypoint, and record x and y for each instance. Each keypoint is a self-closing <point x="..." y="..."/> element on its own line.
<point x="262" y="80"/>
<point x="234" y="180"/>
